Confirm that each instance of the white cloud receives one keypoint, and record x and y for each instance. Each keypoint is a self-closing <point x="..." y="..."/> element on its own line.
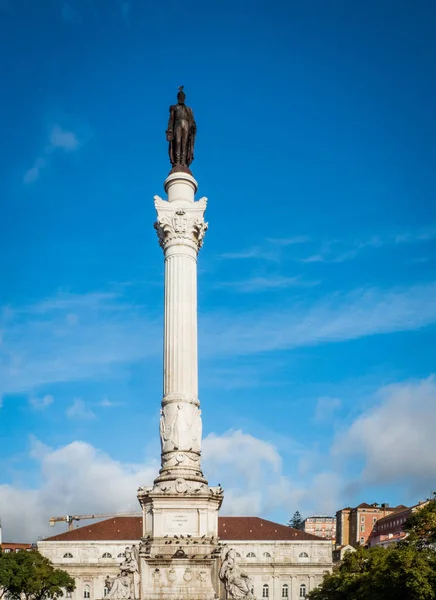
<point x="325" y="407"/>
<point x="59" y="139"/>
<point x="41" y="403"/>
<point x="33" y="174"/>
<point x="76" y="478"/>
<point x="395" y="438"/>
<point x="65" y="140"/>
<point x="251" y="471"/>
<point x="106" y="403"/>
<point x="79" y="410"/>
<point x="79" y="479"/>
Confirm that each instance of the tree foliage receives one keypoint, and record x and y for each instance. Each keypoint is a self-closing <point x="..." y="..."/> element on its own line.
<point x="31" y="576"/>
<point x="381" y="574"/>
<point x="421" y="526"/>
<point x="405" y="571"/>
<point x="297" y="521"/>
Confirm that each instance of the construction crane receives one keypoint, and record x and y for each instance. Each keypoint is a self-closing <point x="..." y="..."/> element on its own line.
<point x="71" y="518"/>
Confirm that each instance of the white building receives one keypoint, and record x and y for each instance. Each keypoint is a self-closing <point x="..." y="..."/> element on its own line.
<point x="282" y="562"/>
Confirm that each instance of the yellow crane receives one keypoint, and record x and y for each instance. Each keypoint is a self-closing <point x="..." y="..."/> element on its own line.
<point x="69" y="519"/>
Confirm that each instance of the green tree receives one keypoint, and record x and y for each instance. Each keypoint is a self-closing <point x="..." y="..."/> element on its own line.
<point x="421" y="526"/>
<point x="381" y="574"/>
<point x="297" y="521"/>
<point x="31" y="576"/>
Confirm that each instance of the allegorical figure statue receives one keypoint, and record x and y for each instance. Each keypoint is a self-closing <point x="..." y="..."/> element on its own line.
<point x="125" y="586"/>
<point x="238" y="584"/>
<point x="181" y="132"/>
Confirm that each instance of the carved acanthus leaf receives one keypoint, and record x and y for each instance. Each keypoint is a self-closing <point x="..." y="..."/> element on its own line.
<point x="180" y="223"/>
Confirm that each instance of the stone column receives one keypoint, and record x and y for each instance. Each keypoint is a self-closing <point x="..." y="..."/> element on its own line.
<point x="180" y="227"/>
<point x="179" y="548"/>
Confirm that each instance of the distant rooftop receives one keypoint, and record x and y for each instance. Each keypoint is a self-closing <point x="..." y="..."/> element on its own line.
<point x="229" y="528"/>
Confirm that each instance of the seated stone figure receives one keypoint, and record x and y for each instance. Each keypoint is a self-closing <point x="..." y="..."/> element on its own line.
<point x="238" y="584"/>
<point x="125" y="586"/>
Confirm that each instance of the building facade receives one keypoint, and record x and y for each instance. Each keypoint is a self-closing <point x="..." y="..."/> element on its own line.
<point x="282" y="562"/>
<point x="324" y="527"/>
<point x="390" y="529"/>
<point x="355" y="526"/>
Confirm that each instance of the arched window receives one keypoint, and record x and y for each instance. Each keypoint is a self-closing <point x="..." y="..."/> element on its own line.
<point x="107" y="555"/>
<point x="251" y="555"/>
<point x="265" y="591"/>
<point x="303" y="555"/>
<point x="237" y="554"/>
<point x="68" y="594"/>
<point x="285" y="591"/>
<point x="87" y="591"/>
<point x="302" y="590"/>
<point x="68" y="555"/>
<point x="121" y="555"/>
<point x="266" y="555"/>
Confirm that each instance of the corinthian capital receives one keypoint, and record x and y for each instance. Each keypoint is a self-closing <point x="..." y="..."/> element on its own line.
<point x="180" y="224"/>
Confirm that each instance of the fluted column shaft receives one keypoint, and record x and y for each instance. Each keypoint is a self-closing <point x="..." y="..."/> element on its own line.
<point x="180" y="227"/>
<point x="180" y="333"/>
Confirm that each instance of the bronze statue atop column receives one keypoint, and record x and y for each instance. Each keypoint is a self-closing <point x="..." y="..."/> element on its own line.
<point x="181" y="134"/>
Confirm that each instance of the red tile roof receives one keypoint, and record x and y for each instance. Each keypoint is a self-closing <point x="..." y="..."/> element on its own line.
<point x="254" y="528"/>
<point x="15" y="546"/>
<point x="229" y="528"/>
<point x="115" y="528"/>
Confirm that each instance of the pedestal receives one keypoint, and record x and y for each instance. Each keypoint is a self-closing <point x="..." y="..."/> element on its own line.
<point x="179" y="548"/>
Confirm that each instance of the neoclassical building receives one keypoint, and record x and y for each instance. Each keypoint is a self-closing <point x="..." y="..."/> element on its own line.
<point x="281" y="562"/>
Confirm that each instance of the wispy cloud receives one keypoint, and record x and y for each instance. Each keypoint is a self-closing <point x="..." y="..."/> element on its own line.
<point x="40" y="346"/>
<point x="34" y="172"/>
<point x="325" y="407"/>
<point x="336" y="318"/>
<point x="261" y="284"/>
<point x="41" y="403"/>
<point x="79" y="410"/>
<point x="255" y="253"/>
<point x="65" y="140"/>
<point x="43" y="344"/>
<point x="290" y="241"/>
<point x="59" y="139"/>
<point x="337" y="251"/>
<point x="106" y="403"/>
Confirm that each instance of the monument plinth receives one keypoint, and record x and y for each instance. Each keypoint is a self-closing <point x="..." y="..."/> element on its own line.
<point x="180" y="511"/>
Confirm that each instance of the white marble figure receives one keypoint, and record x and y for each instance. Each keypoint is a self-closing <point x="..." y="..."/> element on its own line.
<point x="125" y="586"/>
<point x="238" y="584"/>
<point x="180" y="427"/>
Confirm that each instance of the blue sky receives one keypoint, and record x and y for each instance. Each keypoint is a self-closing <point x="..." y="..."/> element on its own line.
<point x="317" y="281"/>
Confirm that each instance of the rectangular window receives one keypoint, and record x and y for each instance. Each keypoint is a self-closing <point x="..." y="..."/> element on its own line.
<point x="362" y="519"/>
<point x="362" y="540"/>
<point x="362" y="528"/>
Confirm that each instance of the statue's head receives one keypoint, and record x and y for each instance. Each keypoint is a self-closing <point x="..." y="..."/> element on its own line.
<point x="231" y="554"/>
<point x="181" y="97"/>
